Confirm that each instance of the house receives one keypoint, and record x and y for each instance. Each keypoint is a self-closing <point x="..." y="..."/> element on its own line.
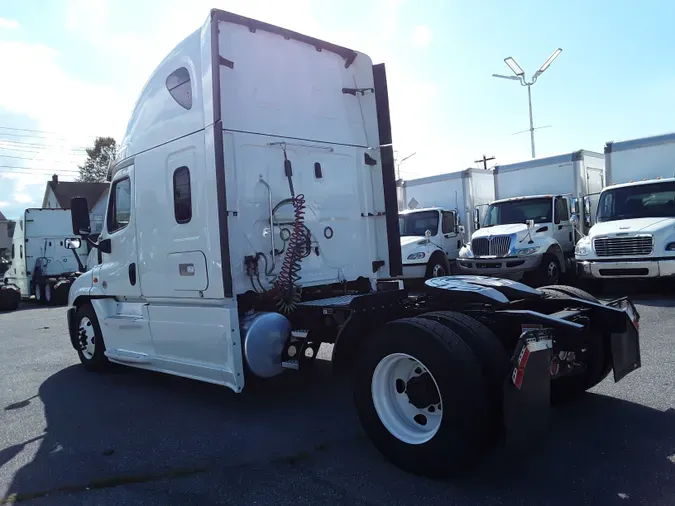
<point x="5" y="239"/>
<point x="58" y="195"/>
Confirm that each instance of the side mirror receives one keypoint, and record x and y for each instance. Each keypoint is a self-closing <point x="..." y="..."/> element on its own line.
<point x="575" y="206"/>
<point x="74" y="243"/>
<point x="461" y="229"/>
<point x="427" y="234"/>
<point x="476" y="218"/>
<point x="79" y="212"/>
<point x="530" y="224"/>
<point x="574" y="219"/>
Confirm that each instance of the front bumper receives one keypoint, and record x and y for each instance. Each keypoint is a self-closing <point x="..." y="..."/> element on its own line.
<point x="512" y="267"/>
<point x="626" y="269"/>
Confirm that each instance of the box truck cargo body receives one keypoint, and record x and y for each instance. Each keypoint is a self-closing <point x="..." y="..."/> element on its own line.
<point x="634" y="236"/>
<point x="529" y="231"/>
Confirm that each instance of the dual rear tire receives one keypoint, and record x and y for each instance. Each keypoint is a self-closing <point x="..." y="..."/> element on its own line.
<point x="427" y="392"/>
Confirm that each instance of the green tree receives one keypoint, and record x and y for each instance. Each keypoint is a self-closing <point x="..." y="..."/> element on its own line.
<point x="95" y="168"/>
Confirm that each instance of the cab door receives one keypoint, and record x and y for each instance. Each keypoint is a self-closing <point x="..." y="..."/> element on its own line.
<point x="118" y="273"/>
<point x="562" y="227"/>
<point x="451" y="242"/>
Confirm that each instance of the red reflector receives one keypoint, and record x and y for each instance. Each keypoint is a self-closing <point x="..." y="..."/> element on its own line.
<point x="518" y="378"/>
<point x="524" y="357"/>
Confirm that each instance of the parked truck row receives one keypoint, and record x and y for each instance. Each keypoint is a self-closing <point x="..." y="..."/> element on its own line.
<point x="582" y="214"/>
<point x="253" y="216"/>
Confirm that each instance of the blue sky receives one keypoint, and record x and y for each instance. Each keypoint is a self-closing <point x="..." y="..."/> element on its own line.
<point x="74" y="69"/>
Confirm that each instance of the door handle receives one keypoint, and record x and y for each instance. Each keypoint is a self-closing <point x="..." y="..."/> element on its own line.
<point x="132" y="274"/>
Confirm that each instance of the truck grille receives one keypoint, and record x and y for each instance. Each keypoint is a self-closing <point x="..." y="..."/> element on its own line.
<point x="623" y="246"/>
<point x="498" y="245"/>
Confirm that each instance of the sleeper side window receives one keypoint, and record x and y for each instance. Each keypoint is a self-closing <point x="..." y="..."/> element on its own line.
<point x="180" y="87"/>
<point x="119" y="209"/>
<point x="182" y="196"/>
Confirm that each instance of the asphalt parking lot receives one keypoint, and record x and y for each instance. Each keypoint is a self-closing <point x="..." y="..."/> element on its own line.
<point x="133" y="437"/>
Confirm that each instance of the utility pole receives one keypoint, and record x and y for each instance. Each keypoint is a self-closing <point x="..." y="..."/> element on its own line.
<point x="484" y="161"/>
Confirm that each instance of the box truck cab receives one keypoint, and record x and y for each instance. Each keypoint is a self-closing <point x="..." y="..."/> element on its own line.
<point x="443" y="205"/>
<point x="523" y="237"/>
<point x="634" y="236"/>
<point x="530" y="231"/>
<point x="430" y="240"/>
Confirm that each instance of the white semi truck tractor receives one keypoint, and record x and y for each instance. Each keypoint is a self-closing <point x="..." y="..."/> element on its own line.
<point x="251" y="218"/>
<point x="634" y="236"/>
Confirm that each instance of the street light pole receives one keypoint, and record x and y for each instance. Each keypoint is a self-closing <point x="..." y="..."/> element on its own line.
<point x="520" y="76"/>
<point x="529" y="102"/>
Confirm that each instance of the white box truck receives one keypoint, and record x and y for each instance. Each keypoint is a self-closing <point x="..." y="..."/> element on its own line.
<point x="252" y="210"/>
<point x="529" y="232"/>
<point x="442" y="205"/>
<point x="45" y="257"/>
<point x="634" y="236"/>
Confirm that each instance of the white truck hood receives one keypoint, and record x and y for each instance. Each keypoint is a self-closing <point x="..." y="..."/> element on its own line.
<point x="410" y="239"/>
<point x="634" y="226"/>
<point x="511" y="228"/>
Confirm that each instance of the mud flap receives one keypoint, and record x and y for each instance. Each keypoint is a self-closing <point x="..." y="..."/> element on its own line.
<point x="625" y="346"/>
<point x="72" y="331"/>
<point x="527" y="390"/>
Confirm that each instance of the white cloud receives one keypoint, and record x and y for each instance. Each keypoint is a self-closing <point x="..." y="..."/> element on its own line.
<point x="422" y="36"/>
<point x="3" y="203"/>
<point x="9" y="24"/>
<point x="23" y="198"/>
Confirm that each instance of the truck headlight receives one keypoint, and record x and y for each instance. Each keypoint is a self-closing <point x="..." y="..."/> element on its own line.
<point x="465" y="251"/>
<point x="583" y="247"/>
<point x="527" y="251"/>
<point x="581" y="250"/>
<point x="416" y="256"/>
<point x="670" y="246"/>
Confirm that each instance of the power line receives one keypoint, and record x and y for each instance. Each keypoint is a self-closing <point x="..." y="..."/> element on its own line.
<point x="33" y="150"/>
<point x="38" y="168"/>
<point x="39" y="131"/>
<point x="36" y="159"/>
<point x="42" y="145"/>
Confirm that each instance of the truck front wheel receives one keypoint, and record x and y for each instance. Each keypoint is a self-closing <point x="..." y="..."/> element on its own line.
<point x="91" y="348"/>
<point x="422" y="398"/>
<point x="548" y="272"/>
<point x="438" y="266"/>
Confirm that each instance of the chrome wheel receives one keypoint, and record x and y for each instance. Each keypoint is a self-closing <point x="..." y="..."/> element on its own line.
<point x="48" y="293"/>
<point x="406" y="398"/>
<point x="38" y="292"/>
<point x="438" y="271"/>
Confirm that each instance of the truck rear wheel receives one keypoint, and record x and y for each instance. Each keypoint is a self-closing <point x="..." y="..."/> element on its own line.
<point x="598" y="361"/>
<point x="421" y="397"/>
<point x="90" y="338"/>
<point x="40" y="292"/>
<point x="485" y="346"/>
<point x="49" y="294"/>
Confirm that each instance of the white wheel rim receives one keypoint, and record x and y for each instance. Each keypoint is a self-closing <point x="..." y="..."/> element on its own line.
<point x="48" y="293"/>
<point x="87" y="334"/>
<point x="404" y="420"/>
<point x="438" y="271"/>
<point x="38" y="292"/>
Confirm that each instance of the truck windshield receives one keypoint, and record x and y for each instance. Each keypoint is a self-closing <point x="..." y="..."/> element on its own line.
<point x="519" y="211"/>
<point x="654" y="200"/>
<point x="417" y="223"/>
